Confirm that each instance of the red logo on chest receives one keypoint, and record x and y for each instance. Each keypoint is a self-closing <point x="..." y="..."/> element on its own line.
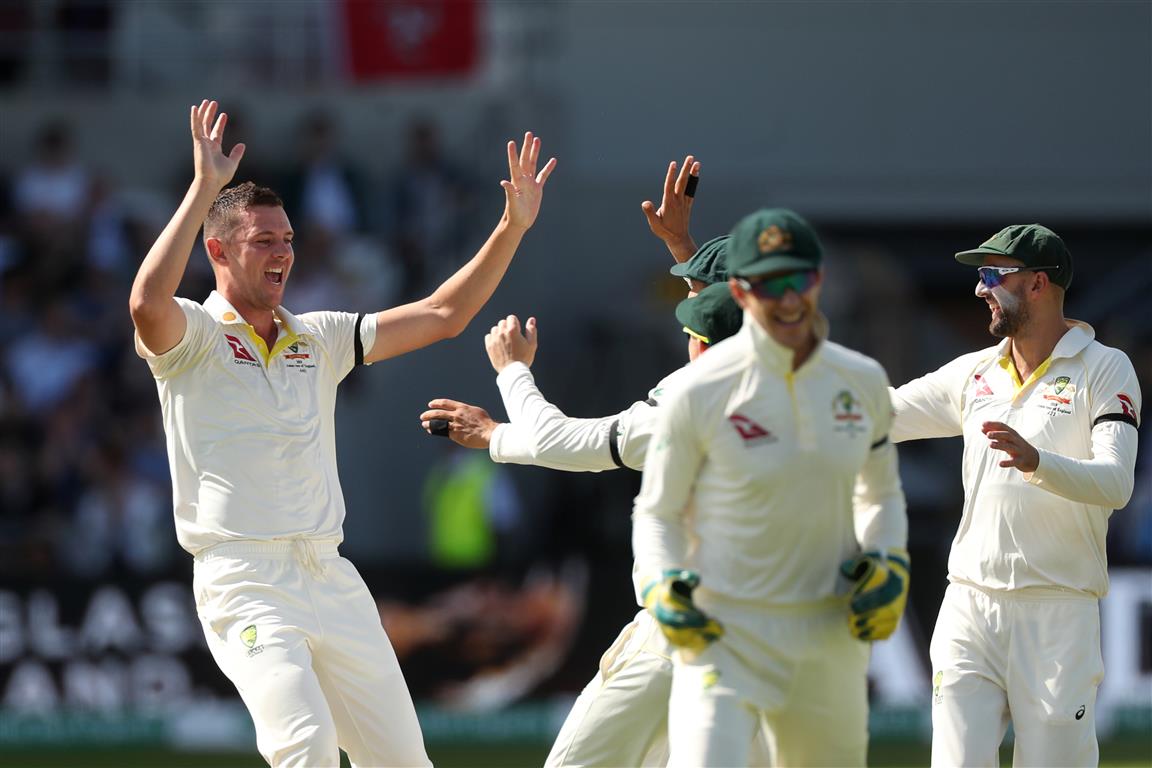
<point x="982" y="388"/>
<point x="749" y="430"/>
<point x="238" y="350"/>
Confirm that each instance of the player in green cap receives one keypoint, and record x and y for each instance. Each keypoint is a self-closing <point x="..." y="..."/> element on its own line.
<point x="1049" y="418"/>
<point x="769" y="475"/>
<point x="620" y="718"/>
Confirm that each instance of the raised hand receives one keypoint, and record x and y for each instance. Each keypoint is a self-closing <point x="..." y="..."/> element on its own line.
<point x="1021" y="454"/>
<point x="469" y="426"/>
<point x="670" y="221"/>
<point x="212" y="165"/>
<point x="505" y="343"/>
<point x="525" y="187"/>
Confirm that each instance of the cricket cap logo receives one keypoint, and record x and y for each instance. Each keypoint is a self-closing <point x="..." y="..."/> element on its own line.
<point x="248" y="635"/>
<point x="773" y="239"/>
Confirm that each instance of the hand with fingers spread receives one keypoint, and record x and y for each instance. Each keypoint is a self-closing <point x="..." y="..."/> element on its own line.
<point x="469" y="426"/>
<point x="505" y="343"/>
<point x="212" y="165"/>
<point x="1021" y="454"/>
<point x="670" y="221"/>
<point x="525" y="187"/>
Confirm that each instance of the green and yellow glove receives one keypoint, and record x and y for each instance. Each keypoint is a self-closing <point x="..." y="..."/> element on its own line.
<point x="670" y="603"/>
<point x="879" y="592"/>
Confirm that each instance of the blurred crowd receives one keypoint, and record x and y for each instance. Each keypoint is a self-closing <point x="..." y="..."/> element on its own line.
<point x="84" y="485"/>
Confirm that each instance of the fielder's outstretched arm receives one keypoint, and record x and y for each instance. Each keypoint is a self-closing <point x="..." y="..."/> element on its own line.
<point x="447" y="312"/>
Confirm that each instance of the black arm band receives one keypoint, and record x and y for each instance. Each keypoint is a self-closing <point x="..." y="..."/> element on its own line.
<point x="357" y="344"/>
<point x="879" y="443"/>
<point x="614" y="443"/>
<point x="1117" y="417"/>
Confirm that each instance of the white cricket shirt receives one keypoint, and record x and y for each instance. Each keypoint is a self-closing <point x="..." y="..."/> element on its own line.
<point x="764" y="479"/>
<point x="540" y="434"/>
<point x="250" y="432"/>
<point x="1080" y="410"/>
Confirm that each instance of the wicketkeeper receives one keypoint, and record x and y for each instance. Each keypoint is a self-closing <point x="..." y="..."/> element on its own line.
<point x="769" y="486"/>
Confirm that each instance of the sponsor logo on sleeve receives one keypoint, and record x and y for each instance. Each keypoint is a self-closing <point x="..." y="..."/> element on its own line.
<point x="1127" y="405"/>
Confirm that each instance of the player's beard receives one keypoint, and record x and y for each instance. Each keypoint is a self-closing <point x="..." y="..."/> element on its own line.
<point x="1013" y="313"/>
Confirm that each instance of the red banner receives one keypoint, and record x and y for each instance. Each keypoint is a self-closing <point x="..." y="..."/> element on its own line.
<point x="394" y="39"/>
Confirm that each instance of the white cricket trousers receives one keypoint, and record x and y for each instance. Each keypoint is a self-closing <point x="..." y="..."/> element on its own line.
<point x="798" y="674"/>
<point x="1029" y="656"/>
<point x="293" y="626"/>
<point x="621" y="716"/>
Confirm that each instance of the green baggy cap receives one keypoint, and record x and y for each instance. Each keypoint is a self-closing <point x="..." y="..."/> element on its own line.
<point x="1033" y="244"/>
<point x="773" y="240"/>
<point x="708" y="264"/>
<point x="711" y="315"/>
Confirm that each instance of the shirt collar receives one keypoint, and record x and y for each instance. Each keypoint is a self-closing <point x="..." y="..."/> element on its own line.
<point x="1078" y="336"/>
<point x="777" y="357"/>
<point x="223" y="312"/>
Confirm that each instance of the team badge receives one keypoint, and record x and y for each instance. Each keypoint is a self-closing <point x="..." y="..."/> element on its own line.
<point x="937" y="683"/>
<point x="248" y="637"/>
<point x="848" y="413"/>
<point x="773" y="239"/>
<point x="1058" y="395"/>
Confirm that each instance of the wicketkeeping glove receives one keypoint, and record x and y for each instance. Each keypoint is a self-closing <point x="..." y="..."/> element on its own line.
<point x="670" y="602"/>
<point x="879" y="592"/>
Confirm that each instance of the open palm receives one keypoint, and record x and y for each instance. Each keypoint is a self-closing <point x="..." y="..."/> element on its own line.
<point x="212" y="165"/>
<point x="525" y="187"/>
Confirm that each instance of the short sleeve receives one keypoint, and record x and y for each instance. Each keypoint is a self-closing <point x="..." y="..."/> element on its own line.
<point x="199" y="335"/>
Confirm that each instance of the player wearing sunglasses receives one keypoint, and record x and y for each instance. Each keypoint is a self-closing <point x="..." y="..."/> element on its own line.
<point x="769" y="474"/>
<point x="1049" y="418"/>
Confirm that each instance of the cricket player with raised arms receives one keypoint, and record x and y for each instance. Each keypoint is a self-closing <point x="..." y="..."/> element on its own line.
<point x="247" y="392"/>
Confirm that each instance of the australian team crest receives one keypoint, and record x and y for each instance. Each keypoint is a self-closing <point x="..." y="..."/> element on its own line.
<point x="847" y="412"/>
<point x="1060" y="391"/>
<point x="248" y="637"/>
<point x="773" y="239"/>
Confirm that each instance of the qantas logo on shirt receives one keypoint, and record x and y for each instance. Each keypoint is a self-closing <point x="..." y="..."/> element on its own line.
<point x="1126" y="404"/>
<point x="239" y="353"/>
<point x="751" y="432"/>
<point x="982" y="388"/>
